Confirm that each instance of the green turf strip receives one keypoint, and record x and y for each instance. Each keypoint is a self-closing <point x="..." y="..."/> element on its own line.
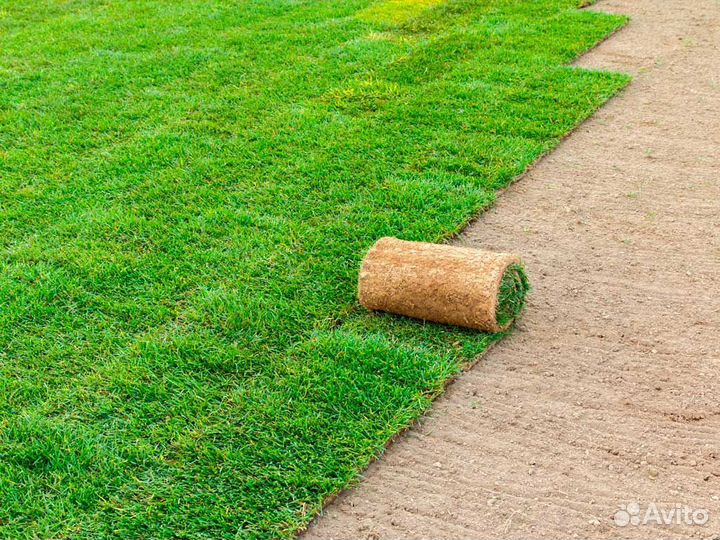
<point x="514" y="288"/>
<point x="186" y="190"/>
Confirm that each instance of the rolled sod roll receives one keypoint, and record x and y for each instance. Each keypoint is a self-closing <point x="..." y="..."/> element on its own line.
<point x="444" y="284"/>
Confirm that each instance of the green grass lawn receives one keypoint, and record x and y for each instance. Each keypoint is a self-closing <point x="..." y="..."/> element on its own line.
<point x="186" y="191"/>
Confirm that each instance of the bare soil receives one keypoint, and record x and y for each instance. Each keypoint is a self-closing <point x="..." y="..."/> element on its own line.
<point x="608" y="392"/>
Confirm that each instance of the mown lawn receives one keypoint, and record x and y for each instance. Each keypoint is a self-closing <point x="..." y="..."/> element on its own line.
<point x="186" y="191"/>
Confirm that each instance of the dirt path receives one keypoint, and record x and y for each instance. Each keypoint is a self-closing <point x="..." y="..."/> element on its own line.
<point x="609" y="392"/>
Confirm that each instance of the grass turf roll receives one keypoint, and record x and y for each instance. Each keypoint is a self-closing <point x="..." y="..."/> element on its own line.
<point x="446" y="284"/>
<point x="514" y="288"/>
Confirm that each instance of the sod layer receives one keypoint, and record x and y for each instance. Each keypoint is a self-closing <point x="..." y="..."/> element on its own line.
<point x="512" y="295"/>
<point x="459" y="286"/>
<point x="186" y="191"/>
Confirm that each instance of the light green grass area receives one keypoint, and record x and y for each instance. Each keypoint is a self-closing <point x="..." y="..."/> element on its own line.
<point x="514" y="288"/>
<point x="186" y="191"/>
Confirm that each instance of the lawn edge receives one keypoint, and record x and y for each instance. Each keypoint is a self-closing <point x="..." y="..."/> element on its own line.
<point x="468" y="363"/>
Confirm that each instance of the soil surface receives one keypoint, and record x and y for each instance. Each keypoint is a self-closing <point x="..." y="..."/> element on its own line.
<point x="608" y="392"/>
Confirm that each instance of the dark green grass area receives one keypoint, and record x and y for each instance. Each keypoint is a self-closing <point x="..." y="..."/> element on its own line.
<point x="186" y="190"/>
<point x="514" y="288"/>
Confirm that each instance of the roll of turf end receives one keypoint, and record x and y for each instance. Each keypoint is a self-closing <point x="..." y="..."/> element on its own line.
<point x="445" y="284"/>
